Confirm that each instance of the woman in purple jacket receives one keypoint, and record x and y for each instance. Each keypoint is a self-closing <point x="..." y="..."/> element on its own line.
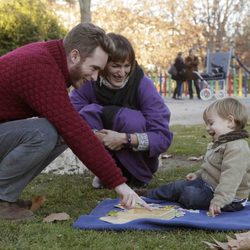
<point x="127" y="114"/>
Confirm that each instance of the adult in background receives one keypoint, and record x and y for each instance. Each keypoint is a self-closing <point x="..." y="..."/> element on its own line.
<point x="191" y="64"/>
<point x="127" y="113"/>
<point x="33" y="83"/>
<point x="180" y="76"/>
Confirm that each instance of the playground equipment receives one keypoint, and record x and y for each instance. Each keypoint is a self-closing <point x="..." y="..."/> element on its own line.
<point x="213" y="80"/>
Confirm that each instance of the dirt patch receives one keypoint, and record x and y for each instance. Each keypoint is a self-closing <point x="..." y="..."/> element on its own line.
<point x="178" y="162"/>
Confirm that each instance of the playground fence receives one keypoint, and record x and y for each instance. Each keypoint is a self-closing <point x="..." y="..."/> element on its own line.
<point x="237" y="84"/>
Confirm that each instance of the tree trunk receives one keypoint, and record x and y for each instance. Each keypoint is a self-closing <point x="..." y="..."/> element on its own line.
<point x="85" y="10"/>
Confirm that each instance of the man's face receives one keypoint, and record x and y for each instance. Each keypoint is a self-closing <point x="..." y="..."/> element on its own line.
<point x="88" y="68"/>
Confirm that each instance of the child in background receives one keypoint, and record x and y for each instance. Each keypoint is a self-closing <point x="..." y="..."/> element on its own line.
<point x="223" y="182"/>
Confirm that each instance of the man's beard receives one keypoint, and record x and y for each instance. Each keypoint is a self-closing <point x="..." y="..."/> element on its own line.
<point x="76" y="75"/>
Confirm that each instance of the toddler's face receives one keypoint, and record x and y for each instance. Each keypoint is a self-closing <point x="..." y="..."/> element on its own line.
<point x="217" y="125"/>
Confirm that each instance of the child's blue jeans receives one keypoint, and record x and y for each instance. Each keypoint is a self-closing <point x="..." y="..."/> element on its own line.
<point x="194" y="194"/>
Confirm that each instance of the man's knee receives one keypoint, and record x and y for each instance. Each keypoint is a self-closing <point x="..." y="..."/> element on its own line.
<point x="41" y="134"/>
<point x="48" y="133"/>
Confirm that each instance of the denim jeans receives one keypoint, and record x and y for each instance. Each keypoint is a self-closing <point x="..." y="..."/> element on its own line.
<point x="194" y="194"/>
<point x="190" y="88"/>
<point x="26" y="148"/>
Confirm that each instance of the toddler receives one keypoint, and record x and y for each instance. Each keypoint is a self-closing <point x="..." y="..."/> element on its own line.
<point x="223" y="182"/>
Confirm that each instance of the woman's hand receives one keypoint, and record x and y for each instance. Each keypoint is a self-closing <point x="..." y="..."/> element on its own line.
<point x="100" y="136"/>
<point x="191" y="176"/>
<point x="129" y="198"/>
<point x="113" y="140"/>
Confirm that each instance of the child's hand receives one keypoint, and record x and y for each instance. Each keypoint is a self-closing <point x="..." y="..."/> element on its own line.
<point x="191" y="176"/>
<point x="214" y="210"/>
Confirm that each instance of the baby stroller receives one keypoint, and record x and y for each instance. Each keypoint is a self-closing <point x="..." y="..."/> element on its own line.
<point x="216" y="71"/>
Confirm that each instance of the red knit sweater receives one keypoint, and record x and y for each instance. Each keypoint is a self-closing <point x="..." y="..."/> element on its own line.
<point x="33" y="82"/>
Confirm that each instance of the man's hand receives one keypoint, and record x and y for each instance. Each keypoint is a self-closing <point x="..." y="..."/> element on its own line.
<point x="129" y="198"/>
<point x="113" y="140"/>
<point x="214" y="210"/>
<point x="191" y="176"/>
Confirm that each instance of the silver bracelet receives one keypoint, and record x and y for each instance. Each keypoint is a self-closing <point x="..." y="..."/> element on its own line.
<point x="143" y="142"/>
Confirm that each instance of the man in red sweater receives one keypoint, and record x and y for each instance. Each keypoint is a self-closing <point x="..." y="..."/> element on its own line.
<point x="33" y="84"/>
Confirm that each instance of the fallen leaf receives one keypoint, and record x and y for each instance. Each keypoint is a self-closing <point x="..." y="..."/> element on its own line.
<point x="37" y="202"/>
<point x="221" y="245"/>
<point x="166" y="156"/>
<point x="243" y="235"/>
<point x="56" y="217"/>
<point x="242" y="242"/>
<point x="211" y="245"/>
<point x="193" y="158"/>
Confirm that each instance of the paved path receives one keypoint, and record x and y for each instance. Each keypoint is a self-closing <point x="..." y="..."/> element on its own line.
<point x="189" y="112"/>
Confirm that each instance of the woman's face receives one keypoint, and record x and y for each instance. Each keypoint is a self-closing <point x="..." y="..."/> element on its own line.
<point x="117" y="72"/>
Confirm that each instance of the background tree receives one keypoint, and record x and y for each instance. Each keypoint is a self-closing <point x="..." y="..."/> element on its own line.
<point x="72" y="7"/>
<point x="25" y="21"/>
<point x="158" y="31"/>
<point x="242" y="41"/>
<point x="219" y="19"/>
<point x="85" y="10"/>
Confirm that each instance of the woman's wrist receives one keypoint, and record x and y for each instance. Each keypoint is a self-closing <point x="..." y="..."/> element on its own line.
<point x="129" y="141"/>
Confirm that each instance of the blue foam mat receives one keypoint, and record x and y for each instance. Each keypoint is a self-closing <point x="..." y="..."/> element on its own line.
<point x="223" y="222"/>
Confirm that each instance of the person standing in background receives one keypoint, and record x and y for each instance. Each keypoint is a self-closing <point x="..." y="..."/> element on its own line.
<point x="180" y="76"/>
<point x="191" y="65"/>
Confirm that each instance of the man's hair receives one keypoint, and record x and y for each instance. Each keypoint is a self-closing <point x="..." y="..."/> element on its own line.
<point x="229" y="106"/>
<point x="86" y="37"/>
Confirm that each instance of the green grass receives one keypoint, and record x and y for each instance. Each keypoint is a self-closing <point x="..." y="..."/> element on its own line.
<point x="189" y="140"/>
<point x="75" y="196"/>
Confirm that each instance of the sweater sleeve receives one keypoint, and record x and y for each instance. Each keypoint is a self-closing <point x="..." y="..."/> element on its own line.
<point x="157" y="116"/>
<point x="233" y="169"/>
<point x="82" y="96"/>
<point x="46" y="93"/>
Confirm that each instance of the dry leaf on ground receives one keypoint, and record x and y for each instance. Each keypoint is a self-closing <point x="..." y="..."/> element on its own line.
<point x="194" y="158"/>
<point x="56" y="217"/>
<point x="166" y="156"/>
<point x="242" y="242"/>
<point x="37" y="202"/>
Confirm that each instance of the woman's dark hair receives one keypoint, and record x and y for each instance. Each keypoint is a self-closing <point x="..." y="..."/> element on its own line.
<point x="123" y="50"/>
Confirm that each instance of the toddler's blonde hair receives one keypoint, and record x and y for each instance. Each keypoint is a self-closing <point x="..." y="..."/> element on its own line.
<point x="228" y="106"/>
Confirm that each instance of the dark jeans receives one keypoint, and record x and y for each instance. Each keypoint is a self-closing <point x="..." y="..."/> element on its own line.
<point x="177" y="90"/>
<point x="190" y="88"/>
<point x="191" y="194"/>
<point x="194" y="194"/>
